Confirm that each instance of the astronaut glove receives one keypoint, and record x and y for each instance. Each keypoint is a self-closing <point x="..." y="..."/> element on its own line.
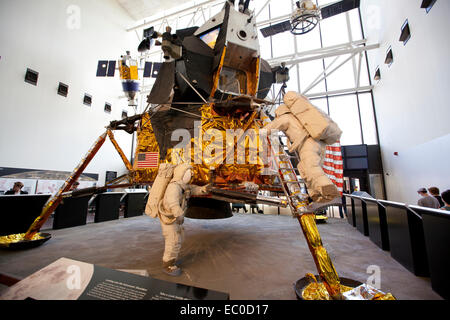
<point x="206" y="189"/>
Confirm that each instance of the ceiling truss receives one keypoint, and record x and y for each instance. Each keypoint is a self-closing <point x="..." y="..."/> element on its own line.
<point x="353" y="51"/>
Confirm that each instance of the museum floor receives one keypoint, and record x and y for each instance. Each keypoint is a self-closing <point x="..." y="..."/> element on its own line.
<point x="251" y="257"/>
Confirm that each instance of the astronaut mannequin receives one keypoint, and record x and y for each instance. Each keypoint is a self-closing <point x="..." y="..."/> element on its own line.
<point x="171" y="212"/>
<point x="309" y="131"/>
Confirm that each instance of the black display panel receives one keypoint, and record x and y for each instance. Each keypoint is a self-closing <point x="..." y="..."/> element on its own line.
<point x="377" y="223"/>
<point x="406" y="238"/>
<point x="32" y="77"/>
<point x="406" y="33"/>
<point x="63" y="89"/>
<point x="87" y="100"/>
<point x="436" y="224"/>
<point x="72" y="212"/>
<point x="356" y="164"/>
<point x="19" y="212"/>
<point x="107" y="206"/>
<point x="355" y="151"/>
<point x="428" y="4"/>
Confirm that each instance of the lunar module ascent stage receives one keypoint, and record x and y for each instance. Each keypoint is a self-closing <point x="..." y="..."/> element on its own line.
<point x="213" y="82"/>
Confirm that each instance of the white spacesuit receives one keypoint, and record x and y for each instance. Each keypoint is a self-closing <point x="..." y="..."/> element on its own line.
<point x="309" y="131"/>
<point x="171" y="210"/>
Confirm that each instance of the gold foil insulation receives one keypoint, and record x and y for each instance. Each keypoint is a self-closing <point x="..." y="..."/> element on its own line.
<point x="128" y="72"/>
<point x="211" y="149"/>
<point x="384" y="297"/>
<point x="317" y="290"/>
<point x="323" y="262"/>
<point x="15" y="238"/>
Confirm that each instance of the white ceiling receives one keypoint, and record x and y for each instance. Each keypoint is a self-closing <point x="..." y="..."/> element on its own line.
<point x="141" y="9"/>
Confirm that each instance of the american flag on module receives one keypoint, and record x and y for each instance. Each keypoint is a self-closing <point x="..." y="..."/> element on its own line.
<point x="148" y="160"/>
<point x="333" y="165"/>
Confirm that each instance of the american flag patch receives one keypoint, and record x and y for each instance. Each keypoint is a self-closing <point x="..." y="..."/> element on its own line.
<point x="148" y="160"/>
<point x="334" y="165"/>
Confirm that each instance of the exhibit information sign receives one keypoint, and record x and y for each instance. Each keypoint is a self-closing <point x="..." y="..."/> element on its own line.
<point x="68" y="279"/>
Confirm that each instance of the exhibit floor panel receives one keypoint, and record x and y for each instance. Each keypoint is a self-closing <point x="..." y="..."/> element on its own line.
<point x="251" y="257"/>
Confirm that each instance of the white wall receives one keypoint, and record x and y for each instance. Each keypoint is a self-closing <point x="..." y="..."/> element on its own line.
<point x="38" y="128"/>
<point x="412" y="98"/>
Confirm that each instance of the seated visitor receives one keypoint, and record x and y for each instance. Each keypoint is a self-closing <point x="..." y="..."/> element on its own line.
<point x="16" y="190"/>
<point x="446" y="199"/>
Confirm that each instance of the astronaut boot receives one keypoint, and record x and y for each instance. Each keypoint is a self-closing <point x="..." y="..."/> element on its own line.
<point x="171" y="269"/>
<point x="329" y="191"/>
<point x="316" y="207"/>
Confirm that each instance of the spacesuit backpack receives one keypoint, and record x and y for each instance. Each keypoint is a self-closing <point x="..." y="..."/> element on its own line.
<point x="318" y="124"/>
<point x="165" y="175"/>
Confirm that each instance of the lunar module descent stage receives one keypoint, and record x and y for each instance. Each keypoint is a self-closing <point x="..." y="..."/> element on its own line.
<point x="213" y="80"/>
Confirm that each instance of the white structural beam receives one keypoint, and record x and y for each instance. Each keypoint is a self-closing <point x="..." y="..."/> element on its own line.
<point x="339" y="92"/>
<point x="323" y="74"/>
<point x="318" y="55"/>
<point x="273" y="21"/>
<point x="175" y="14"/>
<point x="350" y="51"/>
<point x="262" y="9"/>
<point x="328" y="74"/>
<point x="298" y="55"/>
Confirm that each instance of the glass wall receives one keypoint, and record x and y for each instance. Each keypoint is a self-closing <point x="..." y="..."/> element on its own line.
<point x="352" y="110"/>
<point x="340" y="93"/>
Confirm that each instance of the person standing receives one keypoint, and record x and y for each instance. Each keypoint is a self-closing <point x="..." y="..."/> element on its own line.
<point x="16" y="190"/>
<point x="435" y="192"/>
<point x="426" y="200"/>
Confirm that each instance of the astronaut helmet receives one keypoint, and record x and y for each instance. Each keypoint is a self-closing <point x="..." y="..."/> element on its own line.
<point x="183" y="173"/>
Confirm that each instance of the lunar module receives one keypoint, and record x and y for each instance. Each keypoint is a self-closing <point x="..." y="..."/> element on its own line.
<point x="208" y="108"/>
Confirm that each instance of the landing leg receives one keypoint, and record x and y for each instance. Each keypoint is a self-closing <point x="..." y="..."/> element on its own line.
<point x="321" y="258"/>
<point x="54" y="201"/>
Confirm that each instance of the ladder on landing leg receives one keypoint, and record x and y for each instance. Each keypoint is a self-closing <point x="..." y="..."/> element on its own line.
<point x="292" y="187"/>
<point x="298" y="203"/>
